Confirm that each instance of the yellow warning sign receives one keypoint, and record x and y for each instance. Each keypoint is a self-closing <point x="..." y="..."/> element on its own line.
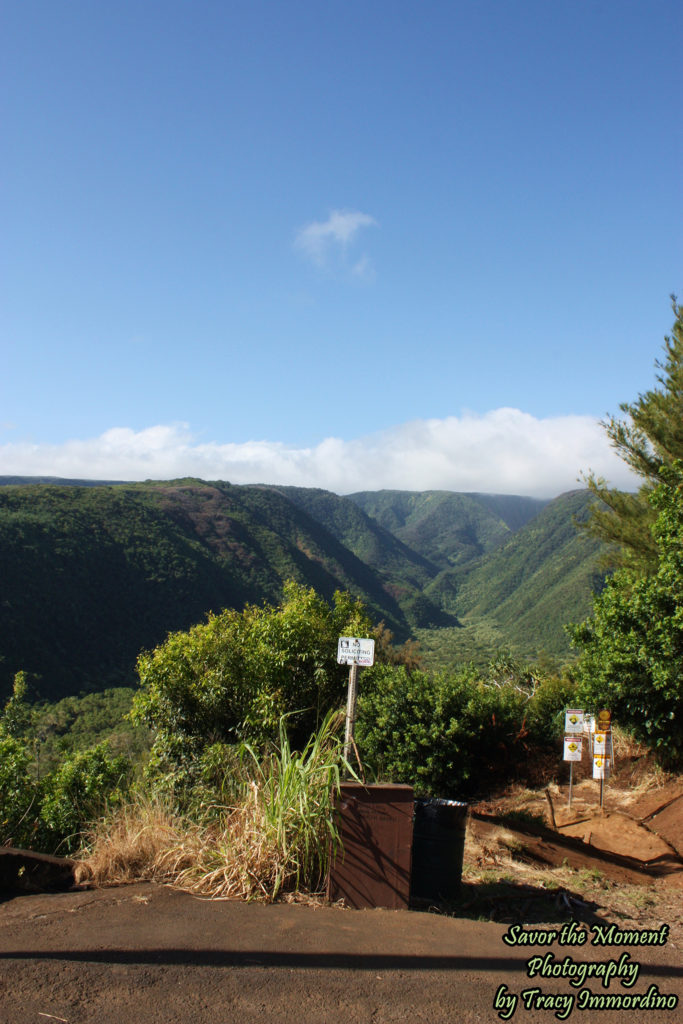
<point x="604" y="721"/>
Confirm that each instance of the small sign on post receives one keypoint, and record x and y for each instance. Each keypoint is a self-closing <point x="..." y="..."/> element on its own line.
<point x="602" y="751"/>
<point x="573" y="728"/>
<point x="353" y="651"/>
<point x="573" y="721"/>
<point x="572" y="748"/>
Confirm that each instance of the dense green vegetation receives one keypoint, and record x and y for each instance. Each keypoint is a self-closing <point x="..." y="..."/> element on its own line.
<point x="516" y="596"/>
<point x="404" y="572"/>
<point x="632" y="658"/>
<point x="211" y="693"/>
<point x="92" y="575"/>
<point x="445" y="528"/>
<point x="453" y="733"/>
<point x="232" y="679"/>
<point x="46" y="808"/>
<point x="632" y="647"/>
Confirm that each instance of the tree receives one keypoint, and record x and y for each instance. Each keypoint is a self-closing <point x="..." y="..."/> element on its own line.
<point x="632" y="660"/>
<point x="649" y="440"/>
<point x="16" y="715"/>
<point x="233" y="677"/>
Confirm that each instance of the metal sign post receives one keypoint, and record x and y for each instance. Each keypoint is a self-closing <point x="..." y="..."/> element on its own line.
<point x="353" y="651"/>
<point x="350" y="711"/>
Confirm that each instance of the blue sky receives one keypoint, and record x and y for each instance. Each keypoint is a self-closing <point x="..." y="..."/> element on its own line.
<point x="350" y="245"/>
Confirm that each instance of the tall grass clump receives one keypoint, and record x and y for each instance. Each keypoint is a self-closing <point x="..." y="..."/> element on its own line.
<point x="275" y="838"/>
<point x="132" y="843"/>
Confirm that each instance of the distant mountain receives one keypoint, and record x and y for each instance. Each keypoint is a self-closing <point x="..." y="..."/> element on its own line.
<point x="13" y="481"/>
<point x="90" y="575"/>
<point x="528" y="588"/>
<point x="360" y="533"/>
<point x="447" y="528"/>
<point x="404" y="572"/>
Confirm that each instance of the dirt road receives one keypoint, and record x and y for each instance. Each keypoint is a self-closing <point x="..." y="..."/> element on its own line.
<point x="147" y="954"/>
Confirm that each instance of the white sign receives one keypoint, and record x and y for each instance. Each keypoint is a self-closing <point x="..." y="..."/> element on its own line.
<point x="573" y="720"/>
<point x="601" y="743"/>
<point x="572" y="748"/>
<point x="601" y="767"/>
<point x="356" y="650"/>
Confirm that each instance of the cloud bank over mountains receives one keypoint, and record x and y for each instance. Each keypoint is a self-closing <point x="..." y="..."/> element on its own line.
<point x="504" y="451"/>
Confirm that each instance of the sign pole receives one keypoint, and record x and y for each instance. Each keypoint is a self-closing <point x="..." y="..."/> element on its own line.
<point x="350" y="711"/>
<point x="353" y="651"/>
<point x="571" y="779"/>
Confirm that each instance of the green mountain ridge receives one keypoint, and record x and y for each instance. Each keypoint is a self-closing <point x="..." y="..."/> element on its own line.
<point x="446" y="527"/>
<point x="93" y="574"/>
<point x="90" y="576"/>
<point x="527" y="589"/>
<point x="403" y="571"/>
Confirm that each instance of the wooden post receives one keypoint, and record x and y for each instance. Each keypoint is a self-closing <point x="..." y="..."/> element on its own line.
<point x="552" y="809"/>
<point x="350" y="711"/>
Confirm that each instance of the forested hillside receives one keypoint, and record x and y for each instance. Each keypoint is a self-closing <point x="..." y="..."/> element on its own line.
<point x="405" y="572"/>
<point x="91" y="575"/>
<point x="521" y="594"/>
<point x="447" y="528"/>
<point x="548" y="566"/>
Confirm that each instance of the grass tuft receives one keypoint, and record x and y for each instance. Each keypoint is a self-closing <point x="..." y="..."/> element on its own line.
<point x="276" y="839"/>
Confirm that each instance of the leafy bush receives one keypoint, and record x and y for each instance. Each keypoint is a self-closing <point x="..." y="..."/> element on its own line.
<point x="233" y="677"/>
<point x="46" y="811"/>
<point x="76" y="793"/>
<point x="20" y="794"/>
<point x="546" y="708"/>
<point x="632" y="660"/>
<point x="48" y="814"/>
<point x="443" y="734"/>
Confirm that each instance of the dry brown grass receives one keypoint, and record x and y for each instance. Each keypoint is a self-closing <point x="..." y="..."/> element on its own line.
<point x="131" y="844"/>
<point x="275" y="839"/>
<point x="237" y="856"/>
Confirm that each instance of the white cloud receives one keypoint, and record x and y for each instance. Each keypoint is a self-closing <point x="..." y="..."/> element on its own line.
<point x="504" y="451"/>
<point x="322" y="241"/>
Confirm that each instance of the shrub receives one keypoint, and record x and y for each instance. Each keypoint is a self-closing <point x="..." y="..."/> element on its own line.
<point x="443" y="734"/>
<point x="20" y="794"/>
<point x="233" y="677"/>
<point x="76" y="793"/>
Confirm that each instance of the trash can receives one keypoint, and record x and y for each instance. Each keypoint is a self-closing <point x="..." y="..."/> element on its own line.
<point x="438" y="849"/>
<point x="372" y="868"/>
